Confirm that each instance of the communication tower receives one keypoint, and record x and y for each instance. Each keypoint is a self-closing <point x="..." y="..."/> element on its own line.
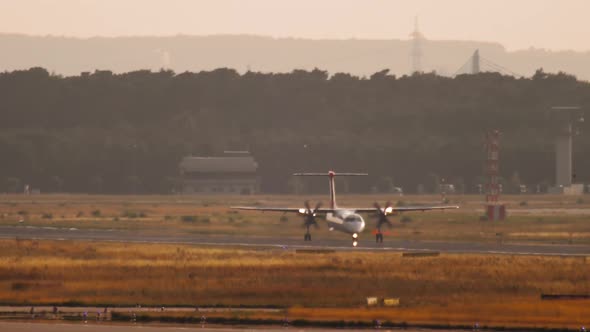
<point x="492" y="166"/>
<point x="417" y="39"/>
<point x="494" y="210"/>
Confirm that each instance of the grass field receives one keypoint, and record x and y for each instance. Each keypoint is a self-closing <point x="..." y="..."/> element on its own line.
<point x="449" y="289"/>
<point x="532" y="218"/>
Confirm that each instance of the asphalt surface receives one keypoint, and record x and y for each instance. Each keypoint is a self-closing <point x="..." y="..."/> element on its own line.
<point x="366" y="243"/>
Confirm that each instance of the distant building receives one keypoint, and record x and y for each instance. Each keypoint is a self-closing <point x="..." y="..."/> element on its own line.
<point x="233" y="173"/>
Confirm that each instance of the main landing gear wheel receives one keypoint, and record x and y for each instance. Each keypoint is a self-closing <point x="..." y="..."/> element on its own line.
<point x="382" y="214"/>
<point x="309" y="218"/>
<point x="379" y="238"/>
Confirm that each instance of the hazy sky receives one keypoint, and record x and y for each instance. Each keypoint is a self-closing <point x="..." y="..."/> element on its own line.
<point x="516" y="24"/>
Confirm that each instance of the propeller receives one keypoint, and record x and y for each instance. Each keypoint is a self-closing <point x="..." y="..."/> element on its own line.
<point x="382" y="215"/>
<point x="310" y="215"/>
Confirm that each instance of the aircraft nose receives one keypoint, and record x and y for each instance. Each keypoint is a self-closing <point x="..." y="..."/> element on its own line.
<point x="361" y="226"/>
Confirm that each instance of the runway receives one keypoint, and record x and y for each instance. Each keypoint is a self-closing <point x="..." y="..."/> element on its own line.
<point x="366" y="243"/>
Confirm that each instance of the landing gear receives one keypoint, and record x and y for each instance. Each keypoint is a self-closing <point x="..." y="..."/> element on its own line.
<point x="355" y="237"/>
<point x="379" y="237"/>
<point x="382" y="214"/>
<point x="309" y="220"/>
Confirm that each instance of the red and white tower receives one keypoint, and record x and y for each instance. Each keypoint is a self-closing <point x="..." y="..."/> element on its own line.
<point x="492" y="166"/>
<point x="494" y="211"/>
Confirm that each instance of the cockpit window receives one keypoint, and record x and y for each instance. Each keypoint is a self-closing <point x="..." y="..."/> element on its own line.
<point x="352" y="218"/>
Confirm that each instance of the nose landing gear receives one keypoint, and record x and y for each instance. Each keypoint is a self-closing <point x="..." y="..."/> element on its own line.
<point x="355" y="237"/>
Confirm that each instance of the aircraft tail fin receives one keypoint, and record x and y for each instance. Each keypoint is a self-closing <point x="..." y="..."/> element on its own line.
<point x="331" y="175"/>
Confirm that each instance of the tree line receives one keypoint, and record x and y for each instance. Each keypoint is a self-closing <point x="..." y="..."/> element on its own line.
<point x="126" y="133"/>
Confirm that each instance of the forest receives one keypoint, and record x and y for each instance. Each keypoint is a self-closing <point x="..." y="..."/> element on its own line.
<point x="101" y="132"/>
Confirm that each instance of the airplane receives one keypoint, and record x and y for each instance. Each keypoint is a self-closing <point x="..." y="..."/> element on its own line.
<point x="347" y="220"/>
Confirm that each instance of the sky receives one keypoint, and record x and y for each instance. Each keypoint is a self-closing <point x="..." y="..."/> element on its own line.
<point x="516" y="24"/>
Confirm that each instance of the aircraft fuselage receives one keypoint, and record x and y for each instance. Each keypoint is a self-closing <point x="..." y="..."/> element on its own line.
<point x="346" y="221"/>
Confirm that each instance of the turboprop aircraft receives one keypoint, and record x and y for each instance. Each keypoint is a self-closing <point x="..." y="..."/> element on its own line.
<point x="347" y="220"/>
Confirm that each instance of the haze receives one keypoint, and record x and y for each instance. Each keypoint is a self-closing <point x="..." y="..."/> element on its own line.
<point x="555" y="25"/>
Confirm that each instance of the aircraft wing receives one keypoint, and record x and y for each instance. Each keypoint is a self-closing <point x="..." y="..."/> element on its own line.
<point x="256" y="208"/>
<point x="279" y="209"/>
<point x="394" y="209"/>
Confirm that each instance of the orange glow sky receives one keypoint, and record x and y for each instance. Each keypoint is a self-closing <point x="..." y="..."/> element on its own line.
<point x="517" y="24"/>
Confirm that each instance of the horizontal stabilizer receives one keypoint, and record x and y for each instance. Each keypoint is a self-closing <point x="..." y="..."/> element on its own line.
<point x="330" y="174"/>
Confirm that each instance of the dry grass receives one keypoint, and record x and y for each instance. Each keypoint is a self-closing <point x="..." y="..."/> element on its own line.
<point x="448" y="289"/>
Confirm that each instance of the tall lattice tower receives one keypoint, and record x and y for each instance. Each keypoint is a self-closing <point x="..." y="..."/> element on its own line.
<point x="492" y="166"/>
<point x="416" y="54"/>
<point x="494" y="211"/>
